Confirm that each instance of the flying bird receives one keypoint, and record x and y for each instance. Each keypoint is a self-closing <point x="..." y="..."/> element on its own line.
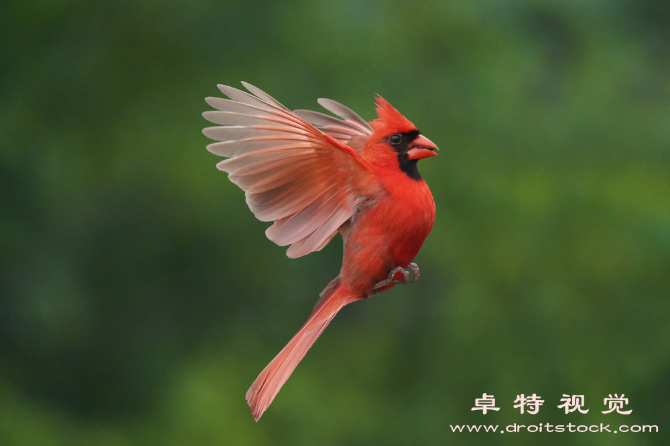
<point x="314" y="176"/>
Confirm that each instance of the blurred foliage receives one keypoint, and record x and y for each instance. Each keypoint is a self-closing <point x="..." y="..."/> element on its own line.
<point x="139" y="297"/>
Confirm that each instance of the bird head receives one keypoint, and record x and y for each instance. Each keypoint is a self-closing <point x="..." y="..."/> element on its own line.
<point x="397" y="140"/>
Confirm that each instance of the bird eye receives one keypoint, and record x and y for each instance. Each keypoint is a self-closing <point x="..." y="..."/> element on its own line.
<point x="395" y="139"/>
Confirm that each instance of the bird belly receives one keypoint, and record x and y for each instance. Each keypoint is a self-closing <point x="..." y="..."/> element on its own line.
<point x="381" y="237"/>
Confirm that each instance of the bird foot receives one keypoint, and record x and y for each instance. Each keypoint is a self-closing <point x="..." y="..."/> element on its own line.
<point x="398" y="275"/>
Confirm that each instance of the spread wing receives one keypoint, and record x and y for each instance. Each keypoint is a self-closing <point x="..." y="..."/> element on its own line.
<point x="307" y="182"/>
<point x="351" y="129"/>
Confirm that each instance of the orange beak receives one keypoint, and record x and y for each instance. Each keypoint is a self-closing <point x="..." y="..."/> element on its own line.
<point x="422" y="147"/>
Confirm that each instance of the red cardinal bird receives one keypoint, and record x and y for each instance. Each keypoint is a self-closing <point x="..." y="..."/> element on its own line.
<point x="314" y="176"/>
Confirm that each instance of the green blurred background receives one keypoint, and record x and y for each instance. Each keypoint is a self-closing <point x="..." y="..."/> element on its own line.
<point x="139" y="297"/>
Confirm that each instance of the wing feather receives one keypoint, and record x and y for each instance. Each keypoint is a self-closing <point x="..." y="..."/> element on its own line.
<point x="347" y="114"/>
<point x="243" y="119"/>
<point x="264" y="160"/>
<point x="239" y="147"/>
<point x="294" y="167"/>
<point x="237" y="132"/>
<point x="274" y="173"/>
<point x="264" y="96"/>
<point x="319" y="238"/>
<point x="284" y="206"/>
<point x="285" y="203"/>
<point x="351" y="129"/>
<point x="291" y="229"/>
<point x="322" y="120"/>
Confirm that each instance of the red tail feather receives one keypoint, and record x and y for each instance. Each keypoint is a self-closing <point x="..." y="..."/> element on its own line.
<point x="272" y="378"/>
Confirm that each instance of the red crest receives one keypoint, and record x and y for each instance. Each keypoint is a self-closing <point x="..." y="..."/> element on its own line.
<point x="389" y="120"/>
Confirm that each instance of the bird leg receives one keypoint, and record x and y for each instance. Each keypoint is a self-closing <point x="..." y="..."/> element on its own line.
<point x="414" y="267"/>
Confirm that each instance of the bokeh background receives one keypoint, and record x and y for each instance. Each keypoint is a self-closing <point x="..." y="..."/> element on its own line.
<point x="139" y="297"/>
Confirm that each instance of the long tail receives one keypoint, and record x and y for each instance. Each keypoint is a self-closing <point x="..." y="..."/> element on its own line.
<point x="272" y="378"/>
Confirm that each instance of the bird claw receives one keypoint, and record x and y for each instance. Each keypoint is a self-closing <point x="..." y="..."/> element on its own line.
<point x="415" y="268"/>
<point x="395" y="272"/>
